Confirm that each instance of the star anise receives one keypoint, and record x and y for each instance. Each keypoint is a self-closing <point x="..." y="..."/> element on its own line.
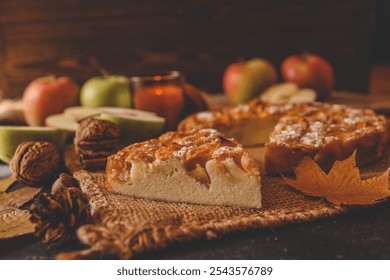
<point x="58" y="216"/>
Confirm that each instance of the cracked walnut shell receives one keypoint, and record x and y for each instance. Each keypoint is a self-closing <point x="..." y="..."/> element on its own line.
<point x="35" y="163"/>
<point x="96" y="138"/>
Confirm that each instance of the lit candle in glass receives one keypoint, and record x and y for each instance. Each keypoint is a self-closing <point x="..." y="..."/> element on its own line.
<point x="162" y="94"/>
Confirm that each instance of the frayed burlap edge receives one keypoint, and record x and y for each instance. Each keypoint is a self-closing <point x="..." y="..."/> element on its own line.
<point x="144" y="239"/>
<point x="120" y="238"/>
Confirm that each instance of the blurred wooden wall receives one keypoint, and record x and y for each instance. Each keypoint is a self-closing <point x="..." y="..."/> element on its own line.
<point x="198" y="37"/>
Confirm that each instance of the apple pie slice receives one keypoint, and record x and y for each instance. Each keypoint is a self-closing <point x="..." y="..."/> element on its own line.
<point x="201" y="167"/>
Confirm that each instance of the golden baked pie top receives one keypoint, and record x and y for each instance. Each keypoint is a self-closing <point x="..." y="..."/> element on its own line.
<point x="232" y="116"/>
<point x="318" y="124"/>
<point x="193" y="148"/>
<point x="304" y="125"/>
<point x="201" y="167"/>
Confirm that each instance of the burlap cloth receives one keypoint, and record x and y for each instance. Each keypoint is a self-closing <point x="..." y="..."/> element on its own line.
<point x="124" y="226"/>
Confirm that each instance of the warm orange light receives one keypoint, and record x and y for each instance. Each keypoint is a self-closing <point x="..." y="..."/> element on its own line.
<point x="157" y="78"/>
<point x="159" y="91"/>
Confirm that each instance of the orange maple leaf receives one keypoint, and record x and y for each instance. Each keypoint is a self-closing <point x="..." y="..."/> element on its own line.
<point x="342" y="185"/>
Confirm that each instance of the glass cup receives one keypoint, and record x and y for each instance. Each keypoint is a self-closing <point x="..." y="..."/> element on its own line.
<point x="162" y="94"/>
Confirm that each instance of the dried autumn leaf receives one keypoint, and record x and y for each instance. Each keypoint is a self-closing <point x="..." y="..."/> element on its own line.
<point x="15" y="222"/>
<point x="342" y="185"/>
<point x="6" y="183"/>
<point x="17" y="198"/>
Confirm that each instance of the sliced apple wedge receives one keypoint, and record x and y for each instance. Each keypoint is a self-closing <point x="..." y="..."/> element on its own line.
<point x="284" y="93"/>
<point x="62" y="121"/>
<point x="79" y="112"/>
<point x="12" y="136"/>
<point x="69" y="119"/>
<point x="136" y="127"/>
<point x="304" y="95"/>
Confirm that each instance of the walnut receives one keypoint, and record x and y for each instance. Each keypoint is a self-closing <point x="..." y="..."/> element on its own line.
<point x="35" y="163"/>
<point x="96" y="135"/>
<point x="95" y="140"/>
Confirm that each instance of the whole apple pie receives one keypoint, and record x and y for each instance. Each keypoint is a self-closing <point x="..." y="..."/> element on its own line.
<point x="250" y="124"/>
<point x="198" y="166"/>
<point x="326" y="132"/>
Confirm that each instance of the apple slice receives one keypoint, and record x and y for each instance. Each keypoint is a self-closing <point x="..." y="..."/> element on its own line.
<point x="288" y="93"/>
<point x="304" y="95"/>
<point x="136" y="127"/>
<point x="69" y="119"/>
<point x="12" y="136"/>
<point x="62" y="121"/>
<point x="79" y="112"/>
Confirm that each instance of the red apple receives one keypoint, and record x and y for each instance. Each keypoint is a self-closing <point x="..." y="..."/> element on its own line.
<point x="309" y="70"/>
<point x="243" y="81"/>
<point x="232" y="77"/>
<point x="48" y="96"/>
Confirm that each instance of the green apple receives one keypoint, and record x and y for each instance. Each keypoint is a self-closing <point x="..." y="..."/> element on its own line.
<point x="245" y="80"/>
<point x="110" y="90"/>
<point x="12" y="136"/>
<point x="136" y="127"/>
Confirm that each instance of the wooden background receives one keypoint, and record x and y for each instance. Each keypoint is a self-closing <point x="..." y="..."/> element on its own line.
<point x="198" y="37"/>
